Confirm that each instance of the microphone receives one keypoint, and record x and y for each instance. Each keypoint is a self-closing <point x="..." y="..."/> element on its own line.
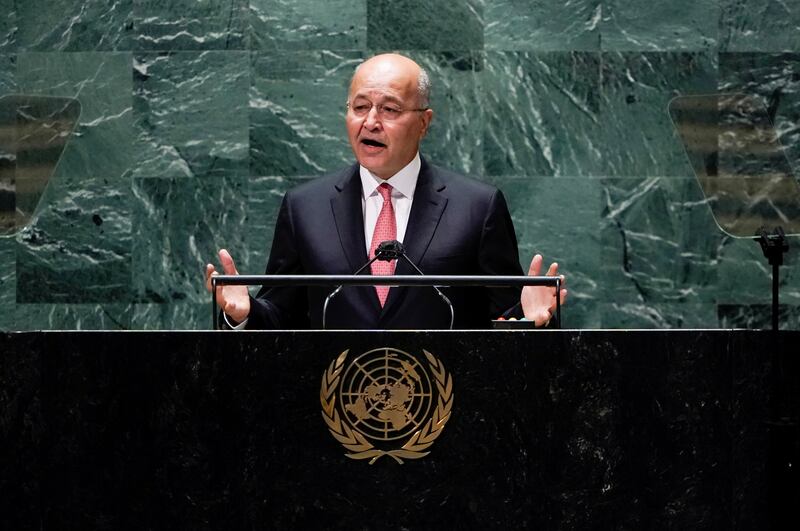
<point x="385" y="251"/>
<point x="390" y="250"/>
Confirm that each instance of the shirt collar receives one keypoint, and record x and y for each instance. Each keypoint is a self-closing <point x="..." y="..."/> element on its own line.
<point x="404" y="181"/>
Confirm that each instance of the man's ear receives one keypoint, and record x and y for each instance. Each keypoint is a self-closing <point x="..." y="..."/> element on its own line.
<point x="426" y="116"/>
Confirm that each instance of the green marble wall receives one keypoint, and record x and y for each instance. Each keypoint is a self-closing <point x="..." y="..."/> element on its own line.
<point x="197" y="116"/>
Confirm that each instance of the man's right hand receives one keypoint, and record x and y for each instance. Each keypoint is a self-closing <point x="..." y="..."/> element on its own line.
<point x="233" y="300"/>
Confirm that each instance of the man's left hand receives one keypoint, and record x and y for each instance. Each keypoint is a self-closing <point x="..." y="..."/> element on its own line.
<point x="539" y="302"/>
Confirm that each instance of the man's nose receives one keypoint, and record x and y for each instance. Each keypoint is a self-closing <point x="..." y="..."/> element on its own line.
<point x="373" y="119"/>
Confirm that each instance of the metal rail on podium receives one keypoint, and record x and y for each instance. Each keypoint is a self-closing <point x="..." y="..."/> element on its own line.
<point x="431" y="281"/>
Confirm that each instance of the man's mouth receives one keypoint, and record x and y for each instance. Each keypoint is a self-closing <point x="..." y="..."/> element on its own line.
<point x="373" y="143"/>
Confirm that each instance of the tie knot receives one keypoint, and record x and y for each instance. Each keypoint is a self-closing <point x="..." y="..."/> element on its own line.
<point x="386" y="191"/>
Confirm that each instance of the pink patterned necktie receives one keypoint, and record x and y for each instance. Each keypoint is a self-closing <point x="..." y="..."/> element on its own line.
<point x="385" y="229"/>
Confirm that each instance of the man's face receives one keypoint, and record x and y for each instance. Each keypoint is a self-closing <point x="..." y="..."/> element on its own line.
<point x="383" y="145"/>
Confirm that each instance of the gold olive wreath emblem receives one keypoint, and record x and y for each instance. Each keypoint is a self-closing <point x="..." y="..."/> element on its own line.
<point x="386" y="395"/>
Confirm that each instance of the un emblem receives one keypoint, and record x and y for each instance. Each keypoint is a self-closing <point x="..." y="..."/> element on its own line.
<point x="386" y="402"/>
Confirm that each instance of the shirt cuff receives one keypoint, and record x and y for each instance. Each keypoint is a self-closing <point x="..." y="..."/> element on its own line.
<point x="240" y="326"/>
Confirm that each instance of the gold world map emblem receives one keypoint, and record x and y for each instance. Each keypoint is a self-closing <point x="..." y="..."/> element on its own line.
<point x="386" y="402"/>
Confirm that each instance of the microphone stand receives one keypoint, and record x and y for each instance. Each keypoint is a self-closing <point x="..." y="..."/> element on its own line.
<point x="441" y="294"/>
<point x="774" y="246"/>
<point x="388" y="251"/>
<point x="332" y="294"/>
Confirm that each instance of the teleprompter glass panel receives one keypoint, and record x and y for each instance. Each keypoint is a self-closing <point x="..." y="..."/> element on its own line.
<point x="33" y="133"/>
<point x="738" y="159"/>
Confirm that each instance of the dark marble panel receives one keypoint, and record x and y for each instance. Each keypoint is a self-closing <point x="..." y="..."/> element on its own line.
<point x="21" y="434"/>
<point x="640" y="25"/>
<point x="760" y="25"/>
<point x="308" y="24"/>
<point x="438" y="25"/>
<point x="542" y="114"/>
<point x="8" y="26"/>
<point x="660" y="243"/>
<point x="745" y="276"/>
<point x="543" y="26"/>
<point x="75" y="25"/>
<point x="657" y="315"/>
<point x="191" y="114"/>
<point x="563" y="430"/>
<point x="638" y="136"/>
<point x="775" y="80"/>
<point x="77" y="249"/>
<point x="103" y="141"/>
<point x="758" y="316"/>
<point x="297" y="110"/>
<point x="561" y="219"/>
<point x="180" y="224"/>
<point x="190" y="25"/>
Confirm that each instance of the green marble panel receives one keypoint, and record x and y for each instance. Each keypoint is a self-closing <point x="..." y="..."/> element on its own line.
<point x="177" y="316"/>
<point x="542" y="114"/>
<point x="455" y="137"/>
<point x="642" y="25"/>
<point x="523" y="25"/>
<point x="659" y="315"/>
<point x="75" y="25"/>
<point x="745" y="276"/>
<point x="439" y="25"/>
<point x="659" y="242"/>
<point x="760" y="25"/>
<point x="72" y="317"/>
<point x="190" y="25"/>
<point x="101" y="81"/>
<point x="241" y="218"/>
<point x="754" y="316"/>
<point x="308" y="24"/>
<point x="297" y="111"/>
<point x="180" y="224"/>
<point x="8" y="26"/>
<point x="191" y="114"/>
<point x="8" y="67"/>
<point x="538" y="206"/>
<point x="263" y="203"/>
<point x="776" y="79"/>
<point x="77" y="249"/>
<point x="638" y="136"/>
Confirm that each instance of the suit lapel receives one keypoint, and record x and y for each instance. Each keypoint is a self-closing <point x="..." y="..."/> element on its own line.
<point x="426" y="211"/>
<point x="349" y="219"/>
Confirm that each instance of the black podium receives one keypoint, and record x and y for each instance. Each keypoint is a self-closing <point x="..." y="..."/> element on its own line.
<point x="527" y="429"/>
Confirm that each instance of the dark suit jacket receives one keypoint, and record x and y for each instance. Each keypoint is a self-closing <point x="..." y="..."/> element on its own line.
<point x="457" y="226"/>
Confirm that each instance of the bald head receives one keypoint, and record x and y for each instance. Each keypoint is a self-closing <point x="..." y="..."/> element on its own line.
<point x="387" y="113"/>
<point x="392" y="63"/>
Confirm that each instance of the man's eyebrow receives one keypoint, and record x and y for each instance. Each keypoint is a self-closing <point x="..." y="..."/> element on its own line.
<point x="384" y="99"/>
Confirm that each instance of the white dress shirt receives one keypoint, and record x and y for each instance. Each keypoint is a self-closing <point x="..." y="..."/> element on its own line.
<point x="403" y="184"/>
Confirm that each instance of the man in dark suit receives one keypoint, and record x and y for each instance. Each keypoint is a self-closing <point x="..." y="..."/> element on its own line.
<point x="449" y="225"/>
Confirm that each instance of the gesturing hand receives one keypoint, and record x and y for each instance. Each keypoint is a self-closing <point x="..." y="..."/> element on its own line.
<point x="233" y="300"/>
<point x="539" y="302"/>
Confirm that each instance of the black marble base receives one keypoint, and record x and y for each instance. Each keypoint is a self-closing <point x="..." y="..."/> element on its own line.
<point x="549" y="430"/>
